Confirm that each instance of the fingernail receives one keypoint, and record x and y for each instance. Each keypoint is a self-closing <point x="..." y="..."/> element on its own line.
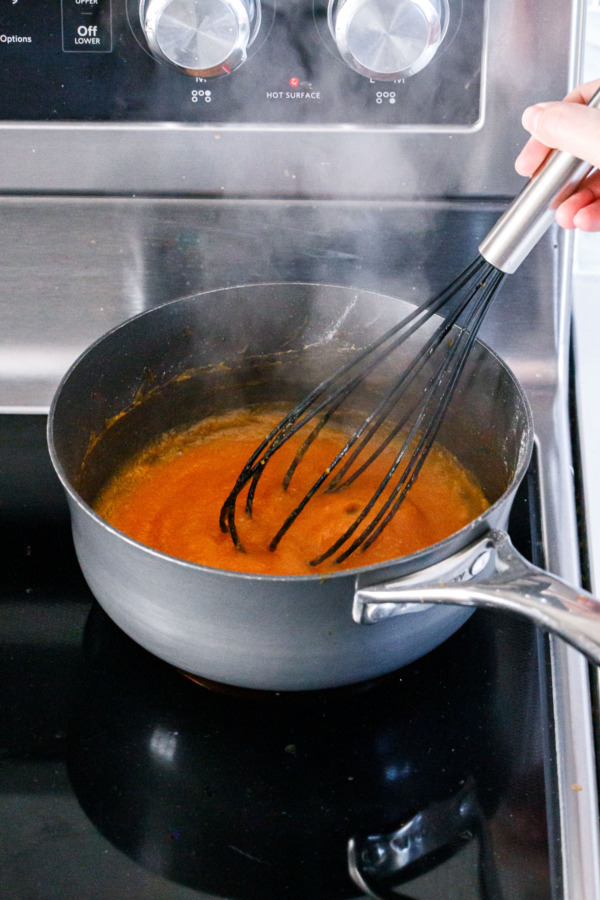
<point x="518" y="163"/>
<point x="530" y="117"/>
<point x="578" y="220"/>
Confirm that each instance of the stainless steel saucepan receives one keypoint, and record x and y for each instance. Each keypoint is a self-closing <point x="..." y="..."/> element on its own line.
<point x="228" y="348"/>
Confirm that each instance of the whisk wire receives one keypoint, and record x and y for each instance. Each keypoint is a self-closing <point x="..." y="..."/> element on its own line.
<point x="372" y="424"/>
<point x="298" y="417"/>
<point x="445" y="378"/>
<point x="470" y="293"/>
<point x="418" y="457"/>
<point x="425" y="312"/>
<point x="395" y="395"/>
<point x="293" y="421"/>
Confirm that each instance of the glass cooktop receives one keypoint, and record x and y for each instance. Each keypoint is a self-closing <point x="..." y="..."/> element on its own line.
<point x="121" y="778"/>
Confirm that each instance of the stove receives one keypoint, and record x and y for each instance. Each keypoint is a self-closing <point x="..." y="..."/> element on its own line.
<point x="122" y="778"/>
<point x="136" y="176"/>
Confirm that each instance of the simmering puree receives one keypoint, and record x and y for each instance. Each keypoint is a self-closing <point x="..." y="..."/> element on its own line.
<point x="169" y="497"/>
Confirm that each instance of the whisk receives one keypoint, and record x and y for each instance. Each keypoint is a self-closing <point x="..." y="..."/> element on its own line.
<point x="439" y="360"/>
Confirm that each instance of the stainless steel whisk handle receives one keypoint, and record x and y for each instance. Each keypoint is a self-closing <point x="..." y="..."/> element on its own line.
<point x="530" y="214"/>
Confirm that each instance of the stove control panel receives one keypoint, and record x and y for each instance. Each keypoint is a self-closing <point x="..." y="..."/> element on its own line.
<point x="409" y="64"/>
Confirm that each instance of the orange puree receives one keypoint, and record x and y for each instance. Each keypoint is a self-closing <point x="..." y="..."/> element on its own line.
<point x="170" y="496"/>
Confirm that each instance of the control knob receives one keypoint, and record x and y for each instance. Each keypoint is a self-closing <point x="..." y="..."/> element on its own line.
<point x="200" y="37"/>
<point x="387" y="40"/>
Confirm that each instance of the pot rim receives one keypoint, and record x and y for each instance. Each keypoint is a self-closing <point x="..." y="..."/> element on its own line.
<point x="416" y="560"/>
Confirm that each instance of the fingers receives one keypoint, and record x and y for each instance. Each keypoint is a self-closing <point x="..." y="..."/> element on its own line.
<point x="567" y="212"/>
<point x="572" y="126"/>
<point x="588" y="219"/>
<point x="583" y="93"/>
<point x="582" y="209"/>
<point x="566" y="126"/>
<point x="531" y="156"/>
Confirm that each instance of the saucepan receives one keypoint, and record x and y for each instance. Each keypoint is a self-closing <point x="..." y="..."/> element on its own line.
<point x="234" y="347"/>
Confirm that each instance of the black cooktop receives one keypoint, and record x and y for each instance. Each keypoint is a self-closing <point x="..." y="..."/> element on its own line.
<point x="120" y="778"/>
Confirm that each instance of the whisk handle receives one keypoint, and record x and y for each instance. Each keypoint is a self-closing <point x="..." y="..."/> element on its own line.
<point x="527" y="218"/>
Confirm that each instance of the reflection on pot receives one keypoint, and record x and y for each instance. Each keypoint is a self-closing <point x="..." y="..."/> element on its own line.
<point x="259" y="795"/>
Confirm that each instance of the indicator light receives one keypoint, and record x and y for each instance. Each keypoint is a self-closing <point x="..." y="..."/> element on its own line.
<point x="294" y="82"/>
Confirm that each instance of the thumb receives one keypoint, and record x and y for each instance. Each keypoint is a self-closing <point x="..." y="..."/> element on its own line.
<point x="573" y="127"/>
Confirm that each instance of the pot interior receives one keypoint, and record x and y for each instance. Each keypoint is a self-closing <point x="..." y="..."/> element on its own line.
<point x="257" y="344"/>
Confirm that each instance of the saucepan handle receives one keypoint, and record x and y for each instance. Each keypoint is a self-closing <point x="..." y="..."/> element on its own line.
<point x="491" y="573"/>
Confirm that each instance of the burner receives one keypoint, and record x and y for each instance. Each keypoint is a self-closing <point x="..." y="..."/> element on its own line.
<point x="251" y="794"/>
<point x="233" y="690"/>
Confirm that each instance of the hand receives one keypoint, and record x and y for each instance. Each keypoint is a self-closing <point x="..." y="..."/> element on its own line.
<point x="572" y="126"/>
